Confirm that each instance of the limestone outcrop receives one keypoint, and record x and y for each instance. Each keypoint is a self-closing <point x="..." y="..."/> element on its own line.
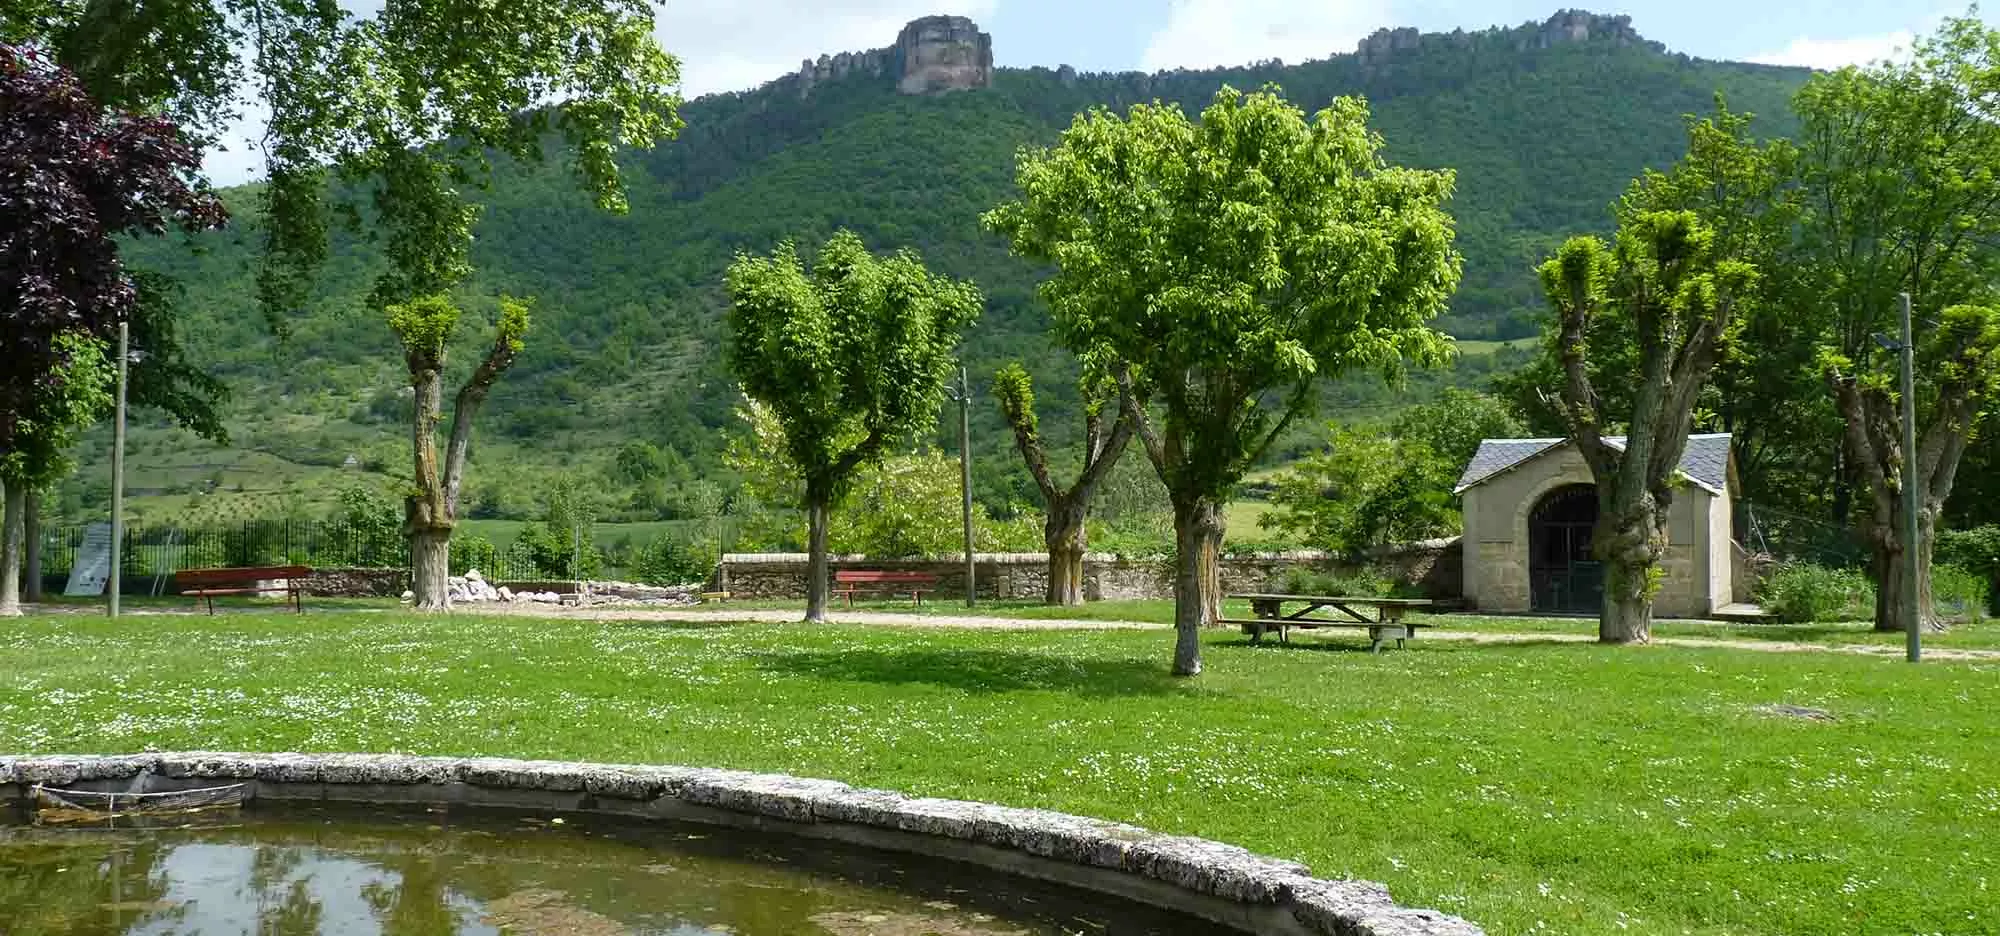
<point x="932" y="55"/>
<point x="944" y="53"/>
<point x="1567" y="26"/>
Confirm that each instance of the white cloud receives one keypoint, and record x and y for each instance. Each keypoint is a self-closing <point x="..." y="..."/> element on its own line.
<point x="1829" y="54"/>
<point x="1207" y="33"/>
<point x="723" y="45"/>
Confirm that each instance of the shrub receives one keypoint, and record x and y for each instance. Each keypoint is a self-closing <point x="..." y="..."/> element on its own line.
<point x="1959" y="594"/>
<point x="1976" y="551"/>
<point x="1803" y="593"/>
<point x="669" y="560"/>
<point x="471" y="551"/>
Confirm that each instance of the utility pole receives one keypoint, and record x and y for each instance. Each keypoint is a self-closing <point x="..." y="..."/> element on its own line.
<point x="1912" y="600"/>
<point x="118" y="470"/>
<point x="965" y="477"/>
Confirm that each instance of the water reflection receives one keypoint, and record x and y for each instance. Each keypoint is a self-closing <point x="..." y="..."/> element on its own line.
<point x="348" y="874"/>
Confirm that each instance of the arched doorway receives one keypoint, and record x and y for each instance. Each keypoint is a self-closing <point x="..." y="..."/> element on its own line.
<point x="1562" y="574"/>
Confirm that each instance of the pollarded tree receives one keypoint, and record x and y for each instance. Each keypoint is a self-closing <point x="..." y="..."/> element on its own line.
<point x="1677" y="296"/>
<point x="1068" y="508"/>
<point x="1898" y="169"/>
<point x="1230" y="264"/>
<point x="850" y="355"/>
<point x="408" y="106"/>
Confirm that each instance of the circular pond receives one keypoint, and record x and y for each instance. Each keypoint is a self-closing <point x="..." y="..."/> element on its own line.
<point x="345" y="870"/>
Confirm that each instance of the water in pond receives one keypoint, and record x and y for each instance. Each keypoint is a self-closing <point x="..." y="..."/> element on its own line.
<point x="294" y="872"/>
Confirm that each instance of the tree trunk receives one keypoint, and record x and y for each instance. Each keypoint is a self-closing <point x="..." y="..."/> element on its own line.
<point x="1197" y="581"/>
<point x="1064" y="535"/>
<point x="430" y="567"/>
<point x="1893" y="585"/>
<point x="817" y="515"/>
<point x="1630" y="543"/>
<point x="10" y="549"/>
<point x="31" y="531"/>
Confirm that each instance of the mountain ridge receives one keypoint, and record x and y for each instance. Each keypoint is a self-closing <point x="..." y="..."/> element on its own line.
<point x="1545" y="124"/>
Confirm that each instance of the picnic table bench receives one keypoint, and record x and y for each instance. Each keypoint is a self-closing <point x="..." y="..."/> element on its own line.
<point x="848" y="581"/>
<point x="206" y="584"/>
<point x="1383" y="617"/>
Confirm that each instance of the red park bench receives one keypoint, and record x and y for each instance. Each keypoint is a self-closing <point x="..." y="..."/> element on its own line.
<point x="206" y="584"/>
<point x="848" y="581"/>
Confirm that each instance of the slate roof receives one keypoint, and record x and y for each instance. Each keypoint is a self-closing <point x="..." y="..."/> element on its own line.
<point x="1705" y="461"/>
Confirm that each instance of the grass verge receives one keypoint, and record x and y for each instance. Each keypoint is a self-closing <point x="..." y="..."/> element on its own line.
<point x="1531" y="787"/>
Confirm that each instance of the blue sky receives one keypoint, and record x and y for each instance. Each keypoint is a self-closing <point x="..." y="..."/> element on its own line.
<point x="735" y="44"/>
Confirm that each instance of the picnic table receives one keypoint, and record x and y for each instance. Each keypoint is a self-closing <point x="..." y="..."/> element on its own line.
<point x="1382" y="617"/>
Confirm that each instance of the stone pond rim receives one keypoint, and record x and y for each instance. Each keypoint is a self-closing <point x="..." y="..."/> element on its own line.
<point x="1222" y="883"/>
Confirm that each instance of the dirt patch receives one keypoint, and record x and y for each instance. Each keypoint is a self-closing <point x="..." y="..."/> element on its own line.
<point x="1801" y="712"/>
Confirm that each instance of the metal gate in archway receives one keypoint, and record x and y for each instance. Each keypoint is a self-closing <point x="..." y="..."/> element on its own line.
<point x="1562" y="575"/>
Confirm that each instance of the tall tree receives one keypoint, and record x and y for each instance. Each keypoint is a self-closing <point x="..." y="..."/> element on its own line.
<point x="1230" y="264"/>
<point x="1667" y="279"/>
<point x="1067" y="508"/>
<point x="406" y="107"/>
<point x="1898" y="167"/>
<point x="850" y="355"/>
<point x="74" y="177"/>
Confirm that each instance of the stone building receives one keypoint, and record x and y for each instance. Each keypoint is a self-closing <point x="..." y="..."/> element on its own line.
<point x="1530" y="510"/>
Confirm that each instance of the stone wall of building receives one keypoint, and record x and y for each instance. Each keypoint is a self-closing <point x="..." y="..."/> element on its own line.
<point x="1431" y="568"/>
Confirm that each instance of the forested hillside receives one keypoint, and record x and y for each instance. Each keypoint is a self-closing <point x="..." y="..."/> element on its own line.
<point x="624" y="345"/>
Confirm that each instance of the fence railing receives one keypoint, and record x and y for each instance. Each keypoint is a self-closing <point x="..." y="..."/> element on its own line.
<point x="155" y="552"/>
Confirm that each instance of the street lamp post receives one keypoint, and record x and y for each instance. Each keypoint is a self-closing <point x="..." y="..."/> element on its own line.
<point x="1912" y="599"/>
<point x="1910" y="604"/>
<point x="965" y="478"/>
<point x="118" y="469"/>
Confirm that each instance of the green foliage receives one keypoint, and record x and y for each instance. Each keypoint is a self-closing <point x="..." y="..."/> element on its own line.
<point x="1250" y="253"/>
<point x="471" y="551"/>
<point x="1366" y="489"/>
<point x="903" y="505"/>
<point x="849" y="355"/>
<point x="1541" y="140"/>
<point x="424" y="325"/>
<point x="671" y="560"/>
<point x="1373" y="488"/>
<point x="1959" y="593"/>
<point x="561" y="544"/>
<point x="1803" y="593"/>
<point x="371" y="529"/>
<point x="43" y="434"/>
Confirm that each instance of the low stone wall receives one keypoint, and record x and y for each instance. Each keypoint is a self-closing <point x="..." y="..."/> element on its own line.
<point x="1432" y="568"/>
<point x="358" y="583"/>
<point x="1222" y="883"/>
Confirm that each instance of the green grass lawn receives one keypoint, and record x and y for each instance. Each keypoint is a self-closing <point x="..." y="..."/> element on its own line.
<point x="1535" y="787"/>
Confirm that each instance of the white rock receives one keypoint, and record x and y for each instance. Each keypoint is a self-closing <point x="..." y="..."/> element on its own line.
<point x="409" y="596"/>
<point x="504" y="593"/>
<point x="472" y="575"/>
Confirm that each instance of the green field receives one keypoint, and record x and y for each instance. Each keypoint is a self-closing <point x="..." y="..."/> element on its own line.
<point x="1534" y="787"/>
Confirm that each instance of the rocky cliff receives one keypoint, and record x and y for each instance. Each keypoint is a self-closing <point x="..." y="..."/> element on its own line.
<point x="931" y="55"/>
<point x="1566" y="26"/>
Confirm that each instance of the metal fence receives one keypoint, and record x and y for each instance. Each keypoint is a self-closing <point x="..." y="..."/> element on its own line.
<point x="152" y="554"/>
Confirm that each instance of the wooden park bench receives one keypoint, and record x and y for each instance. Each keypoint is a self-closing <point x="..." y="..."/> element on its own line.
<point x="207" y="584"/>
<point x="1383" y="617"/>
<point x="848" y="581"/>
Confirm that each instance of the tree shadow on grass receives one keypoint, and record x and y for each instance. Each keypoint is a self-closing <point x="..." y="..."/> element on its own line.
<point x="977" y="670"/>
